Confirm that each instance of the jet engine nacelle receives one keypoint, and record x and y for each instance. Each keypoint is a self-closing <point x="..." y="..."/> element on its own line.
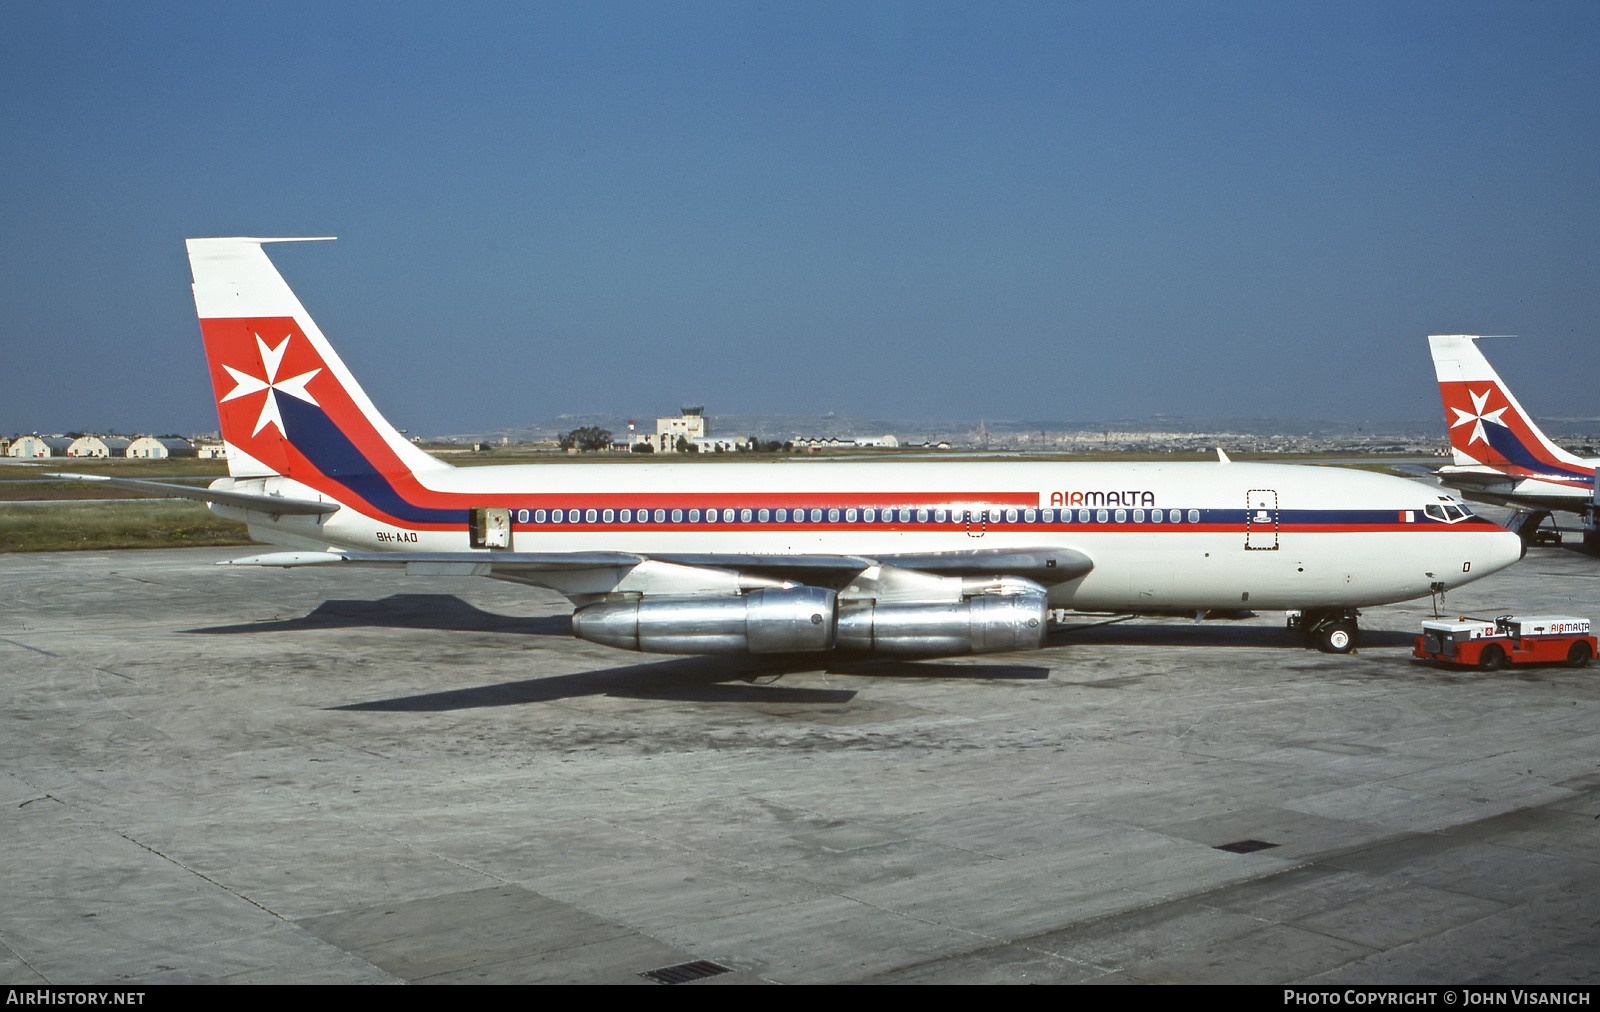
<point x="1009" y="615"/>
<point x="794" y="620"/>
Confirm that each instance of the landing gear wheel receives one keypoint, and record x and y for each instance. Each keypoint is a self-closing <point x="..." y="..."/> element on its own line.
<point x="1337" y="638"/>
<point x="1492" y="658"/>
<point x="1580" y="655"/>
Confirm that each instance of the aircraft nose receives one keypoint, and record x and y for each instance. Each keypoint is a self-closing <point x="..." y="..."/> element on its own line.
<point x="1502" y="548"/>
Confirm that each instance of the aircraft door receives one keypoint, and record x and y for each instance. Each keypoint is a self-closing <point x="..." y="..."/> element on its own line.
<point x="1261" y="520"/>
<point x="490" y="527"/>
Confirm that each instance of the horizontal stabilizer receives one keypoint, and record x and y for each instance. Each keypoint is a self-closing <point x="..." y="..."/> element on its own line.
<point x="1414" y="470"/>
<point x="275" y="505"/>
<point x="550" y="561"/>
<point x="1457" y="477"/>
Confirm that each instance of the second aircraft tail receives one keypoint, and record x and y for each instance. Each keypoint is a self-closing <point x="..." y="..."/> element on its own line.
<point x="1487" y="425"/>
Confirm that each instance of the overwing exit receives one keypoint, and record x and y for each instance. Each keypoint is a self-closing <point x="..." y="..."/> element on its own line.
<point x="903" y="559"/>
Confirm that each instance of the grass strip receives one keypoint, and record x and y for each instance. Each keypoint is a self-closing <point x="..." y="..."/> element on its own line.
<point x="130" y="523"/>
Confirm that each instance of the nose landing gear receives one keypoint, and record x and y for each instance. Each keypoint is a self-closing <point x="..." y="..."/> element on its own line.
<point x="1333" y="631"/>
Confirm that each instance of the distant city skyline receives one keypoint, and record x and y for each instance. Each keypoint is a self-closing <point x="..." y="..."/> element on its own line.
<point x="901" y="210"/>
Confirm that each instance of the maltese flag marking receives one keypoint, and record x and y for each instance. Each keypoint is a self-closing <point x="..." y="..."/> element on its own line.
<point x="294" y="386"/>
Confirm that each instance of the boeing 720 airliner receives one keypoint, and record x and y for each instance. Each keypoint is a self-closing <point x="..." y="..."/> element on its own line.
<point x="907" y="559"/>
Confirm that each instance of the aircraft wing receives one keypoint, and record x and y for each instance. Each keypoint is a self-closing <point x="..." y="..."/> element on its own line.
<point x="273" y="504"/>
<point x="1043" y="565"/>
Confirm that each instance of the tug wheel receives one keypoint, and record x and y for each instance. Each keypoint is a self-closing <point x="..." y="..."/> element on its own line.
<point x="1579" y="655"/>
<point x="1492" y="659"/>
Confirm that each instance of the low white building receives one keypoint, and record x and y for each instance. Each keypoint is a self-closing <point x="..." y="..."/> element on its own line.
<point x="835" y="442"/>
<point x="39" y="446"/>
<point x="154" y="447"/>
<point x="99" y="446"/>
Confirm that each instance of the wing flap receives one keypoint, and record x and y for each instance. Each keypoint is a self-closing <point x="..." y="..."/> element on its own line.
<point x="549" y="561"/>
<point x="1042" y="565"/>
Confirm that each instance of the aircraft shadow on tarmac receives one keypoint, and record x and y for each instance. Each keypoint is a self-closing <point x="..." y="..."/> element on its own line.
<point x="721" y="679"/>
<point x="693" y="679"/>
<point x="444" y="612"/>
<point x="689" y="679"/>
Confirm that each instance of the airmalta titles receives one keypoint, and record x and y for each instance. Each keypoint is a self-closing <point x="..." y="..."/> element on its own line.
<point x="1102" y="498"/>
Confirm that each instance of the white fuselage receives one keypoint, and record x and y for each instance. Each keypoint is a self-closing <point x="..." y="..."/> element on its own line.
<point x="1228" y="535"/>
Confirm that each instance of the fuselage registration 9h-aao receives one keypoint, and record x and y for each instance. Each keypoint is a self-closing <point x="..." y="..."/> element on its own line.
<point x="908" y="558"/>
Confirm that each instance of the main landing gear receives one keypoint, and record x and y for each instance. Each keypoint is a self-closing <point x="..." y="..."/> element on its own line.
<point x="1529" y="526"/>
<point x="1333" y="631"/>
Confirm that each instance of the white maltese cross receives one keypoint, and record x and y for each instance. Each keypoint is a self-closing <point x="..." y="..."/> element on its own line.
<point x="271" y="360"/>
<point x="1478" y="416"/>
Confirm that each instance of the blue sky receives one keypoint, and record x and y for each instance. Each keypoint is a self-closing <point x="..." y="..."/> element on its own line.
<point x="999" y="210"/>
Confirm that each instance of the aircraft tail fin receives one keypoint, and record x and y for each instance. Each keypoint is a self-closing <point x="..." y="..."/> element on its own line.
<point x="287" y="404"/>
<point x="1487" y="425"/>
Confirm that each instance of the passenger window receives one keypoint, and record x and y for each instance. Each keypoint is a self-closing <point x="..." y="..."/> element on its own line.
<point x="1122" y="516"/>
<point x="1083" y="516"/>
<point x="522" y="516"/>
<point x="1138" y="516"/>
<point x="677" y="516"/>
<point x="556" y="516"/>
<point x="816" y="516"/>
<point x="783" y="516"/>
<point x="627" y="516"/>
<point x="922" y="516"/>
<point x="608" y="516"/>
<point x="850" y="516"/>
<point x="833" y="516"/>
<point x="744" y="516"/>
<point x="940" y="516"/>
<point x="1194" y="516"/>
<point x="661" y="515"/>
<point x="764" y="515"/>
<point x="905" y="516"/>
<point x="1028" y="516"/>
<point x="1155" y="516"/>
<point x="1101" y="516"/>
<point x="711" y="516"/>
<point x="538" y="516"/>
<point x="870" y="516"/>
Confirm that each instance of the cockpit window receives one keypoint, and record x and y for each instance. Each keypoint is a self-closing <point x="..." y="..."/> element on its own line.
<point x="1450" y="513"/>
